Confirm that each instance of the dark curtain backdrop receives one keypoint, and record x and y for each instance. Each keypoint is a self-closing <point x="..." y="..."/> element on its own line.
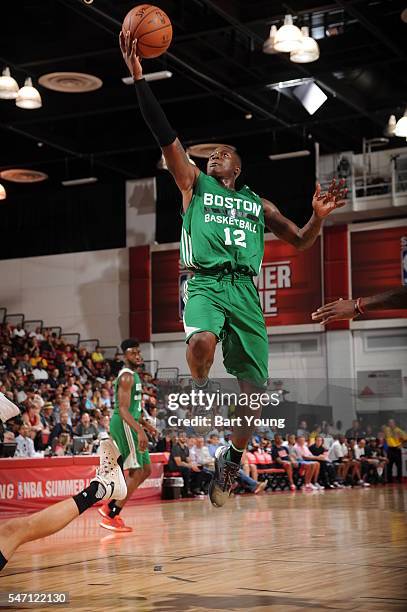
<point x="289" y="184"/>
<point x="46" y="219"/>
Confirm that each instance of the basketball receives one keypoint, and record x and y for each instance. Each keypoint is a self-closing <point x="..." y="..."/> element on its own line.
<point x="152" y="28"/>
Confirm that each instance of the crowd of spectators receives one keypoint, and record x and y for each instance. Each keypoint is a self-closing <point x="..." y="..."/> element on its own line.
<point x="314" y="460"/>
<point x="64" y="393"/>
<point x="66" y="397"/>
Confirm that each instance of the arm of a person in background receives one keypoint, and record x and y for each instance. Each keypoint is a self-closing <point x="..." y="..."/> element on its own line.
<point x="184" y="173"/>
<point x="348" y="309"/>
<point x="149" y="427"/>
<point x="303" y="238"/>
<point x="124" y="400"/>
<point x="181" y="463"/>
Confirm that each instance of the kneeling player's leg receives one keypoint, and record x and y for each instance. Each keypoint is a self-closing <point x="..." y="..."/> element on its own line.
<point x="108" y="481"/>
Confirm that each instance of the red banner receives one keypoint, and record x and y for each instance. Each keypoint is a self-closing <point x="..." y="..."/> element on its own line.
<point x="32" y="484"/>
<point x="377" y="265"/>
<point x="289" y="286"/>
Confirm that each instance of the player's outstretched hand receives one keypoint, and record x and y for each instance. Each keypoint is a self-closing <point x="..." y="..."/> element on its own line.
<point x="129" y="52"/>
<point x="324" y="203"/>
<point x="334" y="311"/>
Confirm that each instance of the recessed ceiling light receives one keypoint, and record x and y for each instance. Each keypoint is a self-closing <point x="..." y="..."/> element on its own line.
<point x="70" y="82"/>
<point x="22" y="175"/>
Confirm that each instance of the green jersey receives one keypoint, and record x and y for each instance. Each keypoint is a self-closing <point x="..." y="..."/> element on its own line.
<point x="135" y="402"/>
<point x="223" y="228"/>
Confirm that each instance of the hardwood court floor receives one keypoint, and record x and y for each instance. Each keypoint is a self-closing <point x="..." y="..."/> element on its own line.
<point x="338" y="550"/>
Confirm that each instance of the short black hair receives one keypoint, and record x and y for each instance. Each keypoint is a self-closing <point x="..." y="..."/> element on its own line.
<point x="129" y="343"/>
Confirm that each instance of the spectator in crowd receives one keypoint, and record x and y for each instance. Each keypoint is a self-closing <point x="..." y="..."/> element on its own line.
<point x="361" y="460"/>
<point x="213" y="444"/>
<point x="25" y="445"/>
<point x="104" y="424"/>
<point x="395" y="438"/>
<point x="97" y="355"/>
<point x="303" y="452"/>
<point x="303" y="429"/>
<point x="165" y="443"/>
<point x="24" y="364"/>
<point x="327" y="470"/>
<point x="62" y="427"/>
<point x="62" y="445"/>
<point x="180" y="461"/>
<point x="200" y="454"/>
<point x="282" y="459"/>
<point x="32" y="417"/>
<point x="85" y="427"/>
<point x="354" y="431"/>
<point x="47" y="417"/>
<point x="377" y="455"/>
<point x="18" y="332"/>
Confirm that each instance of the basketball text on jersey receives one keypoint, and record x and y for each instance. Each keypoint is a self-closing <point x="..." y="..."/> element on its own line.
<point x="223" y="228"/>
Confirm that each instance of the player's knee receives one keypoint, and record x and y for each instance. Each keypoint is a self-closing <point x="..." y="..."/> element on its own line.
<point x="147" y="471"/>
<point x="202" y="346"/>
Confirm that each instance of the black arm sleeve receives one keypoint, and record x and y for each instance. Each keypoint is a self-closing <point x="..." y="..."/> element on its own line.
<point x="154" y="115"/>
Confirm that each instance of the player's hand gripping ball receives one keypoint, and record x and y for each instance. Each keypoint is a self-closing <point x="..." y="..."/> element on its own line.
<point x="151" y="27"/>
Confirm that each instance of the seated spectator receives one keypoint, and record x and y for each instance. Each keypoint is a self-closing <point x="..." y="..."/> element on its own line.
<point x="62" y="444"/>
<point x="306" y="467"/>
<point x="106" y="400"/>
<point x="281" y="459"/>
<point x="303" y="429"/>
<point x="199" y="479"/>
<point x="39" y="372"/>
<point x="362" y="460"/>
<point x="377" y="454"/>
<point x="85" y="427"/>
<point x="200" y="454"/>
<point x="213" y="444"/>
<point x="342" y="458"/>
<point x="164" y="444"/>
<point x="47" y="417"/>
<point x="304" y="454"/>
<point x="97" y="356"/>
<point x="180" y="462"/>
<point x="24" y="364"/>
<point x="104" y="424"/>
<point x="32" y="418"/>
<point x="355" y="431"/>
<point x="327" y="470"/>
<point x="62" y="427"/>
<point x="25" y="445"/>
<point x="18" y="332"/>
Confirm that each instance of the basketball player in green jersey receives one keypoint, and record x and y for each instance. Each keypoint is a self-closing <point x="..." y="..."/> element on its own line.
<point x="223" y="243"/>
<point x="127" y="430"/>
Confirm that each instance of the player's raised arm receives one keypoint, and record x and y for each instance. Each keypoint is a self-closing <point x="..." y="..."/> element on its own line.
<point x="322" y="203"/>
<point x="184" y="173"/>
<point x="124" y="399"/>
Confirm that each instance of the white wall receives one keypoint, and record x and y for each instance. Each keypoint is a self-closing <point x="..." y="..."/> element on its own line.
<point x="86" y="293"/>
<point x="317" y="368"/>
<point x="388" y="351"/>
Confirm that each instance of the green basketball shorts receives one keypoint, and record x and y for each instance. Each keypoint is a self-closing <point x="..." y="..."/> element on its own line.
<point x="127" y="442"/>
<point x="229" y="307"/>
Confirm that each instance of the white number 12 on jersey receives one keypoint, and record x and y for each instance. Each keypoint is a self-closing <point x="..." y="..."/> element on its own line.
<point x="238" y="237"/>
